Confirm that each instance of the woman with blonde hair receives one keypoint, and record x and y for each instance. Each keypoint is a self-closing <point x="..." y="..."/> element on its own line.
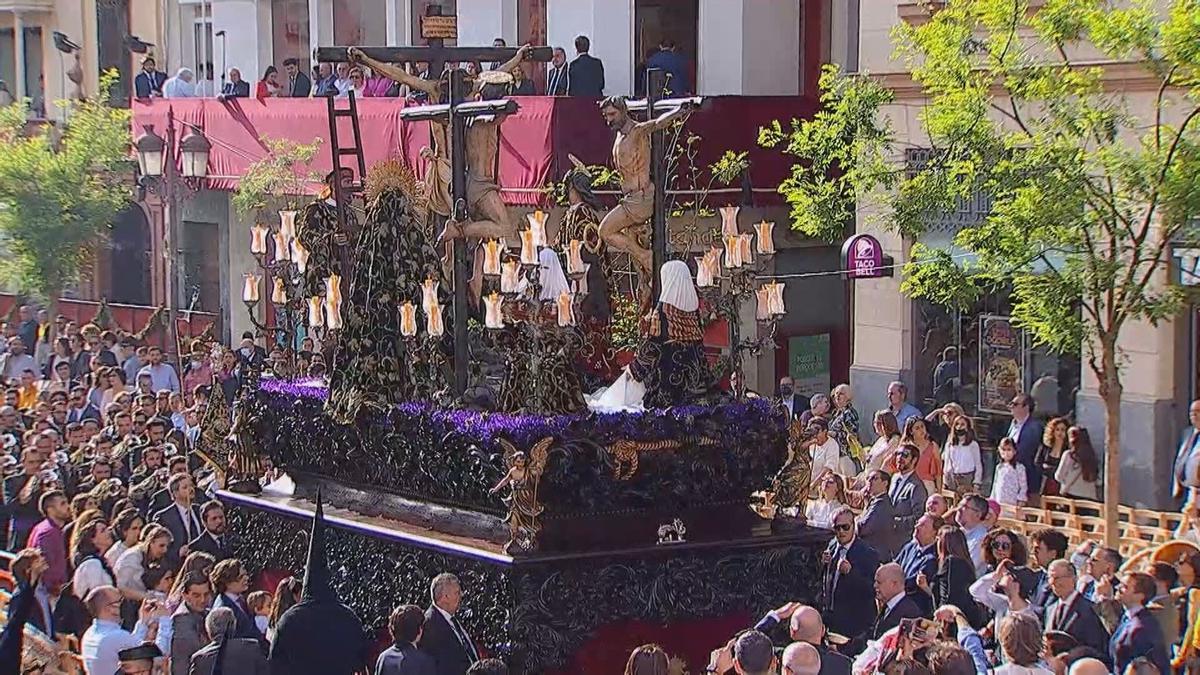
<point x="831" y="498"/>
<point x="843" y="423"/>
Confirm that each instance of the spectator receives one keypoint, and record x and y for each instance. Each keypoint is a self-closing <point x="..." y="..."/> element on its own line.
<point x="971" y="513"/>
<point x="182" y="517"/>
<point x="325" y="84"/>
<point x="586" y="73"/>
<point x="1026" y="433"/>
<point x="298" y="84"/>
<point x="133" y="364"/>
<point x="830" y="500"/>
<point x="259" y="603"/>
<point x="250" y="354"/>
<point x="105" y="637"/>
<point x="843" y="422"/>
<point x="162" y="375"/>
<point x="558" y="78"/>
<point x="127" y="529"/>
<point x="886" y="442"/>
<point x="1048" y="545"/>
<point x="955" y="574"/>
<point x="1078" y="473"/>
<point x="907" y="492"/>
<point x="236" y="87"/>
<point x="26" y="569"/>
<point x="79" y="407"/>
<point x="876" y="525"/>
<point x="963" y="466"/>
<point x="849" y="571"/>
<point x="826" y="455"/>
<point x="181" y="86"/>
<point x="1054" y="444"/>
<point x="234" y="654"/>
<point x="919" y="557"/>
<point x="358" y="84"/>
<point x="197" y="371"/>
<point x="15" y="362"/>
<point x="230" y="582"/>
<point x="213" y="540"/>
<point x="47" y="537"/>
<point x="148" y="83"/>
<point x="268" y="86"/>
<point x="894" y="603"/>
<point x="1008" y="486"/>
<point x="443" y="636"/>
<point x="898" y="405"/>
<point x="928" y="460"/>
<point x="287" y="593"/>
<point x="1021" y="641"/>
<point x="1071" y="612"/>
<point x="1162" y="606"/>
<point x="132" y="565"/>
<point x="403" y="657"/>
<point x="668" y="59"/>
<point x="1139" y="634"/>
<point x="819" y="405"/>
<point x="89" y="544"/>
<point x="61" y="354"/>
<point x="342" y="82"/>
<point x="1186" y="473"/>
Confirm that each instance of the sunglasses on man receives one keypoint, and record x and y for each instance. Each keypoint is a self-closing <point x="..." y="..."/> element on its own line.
<point x="843" y="527"/>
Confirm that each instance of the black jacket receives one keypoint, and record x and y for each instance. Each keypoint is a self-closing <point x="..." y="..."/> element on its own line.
<point x="244" y="628"/>
<point x="169" y="518"/>
<point x="242" y="656"/>
<point x="239" y="89"/>
<point x="146" y="84"/>
<point x="849" y="609"/>
<point x="587" y="76"/>
<point x="439" y="641"/>
<point x="300" y="87"/>
<point x="905" y="609"/>
<point x="1080" y="620"/>
<point x="207" y="544"/>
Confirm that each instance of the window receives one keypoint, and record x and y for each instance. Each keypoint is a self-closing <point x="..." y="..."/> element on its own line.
<point x="289" y="39"/>
<point x="359" y="22"/>
<point x="202" y="57"/>
<point x="418" y="9"/>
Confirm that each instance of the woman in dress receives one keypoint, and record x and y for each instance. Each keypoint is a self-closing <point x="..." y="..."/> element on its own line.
<point x="126" y="529"/>
<point x="962" y="465"/>
<point x="1054" y="443"/>
<point x="831" y="498"/>
<point x="1078" y="473"/>
<point x="880" y="456"/>
<point x="929" y="462"/>
<point x="951" y="585"/>
<point x="843" y="422"/>
<point x="1009" y="486"/>
<point x="268" y="86"/>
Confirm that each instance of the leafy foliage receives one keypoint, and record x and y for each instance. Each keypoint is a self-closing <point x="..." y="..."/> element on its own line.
<point x="279" y="178"/>
<point x="1089" y="186"/>
<point x="61" y="188"/>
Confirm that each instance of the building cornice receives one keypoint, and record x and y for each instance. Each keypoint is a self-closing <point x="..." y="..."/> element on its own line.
<point x="1122" y="76"/>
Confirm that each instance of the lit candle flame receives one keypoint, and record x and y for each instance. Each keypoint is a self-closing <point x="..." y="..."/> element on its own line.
<point x="250" y="287"/>
<point x="279" y="293"/>
<point x="316" y="314"/>
<point x="537" y="225"/>
<point x="765" y="242"/>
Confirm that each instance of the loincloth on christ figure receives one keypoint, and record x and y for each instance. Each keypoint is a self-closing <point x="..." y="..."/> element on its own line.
<point x="638" y="205"/>
<point x="478" y="188"/>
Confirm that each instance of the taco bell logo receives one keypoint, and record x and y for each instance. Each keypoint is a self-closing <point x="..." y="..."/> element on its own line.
<point x="863" y="257"/>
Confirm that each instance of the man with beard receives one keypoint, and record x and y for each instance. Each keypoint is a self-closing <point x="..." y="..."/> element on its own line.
<point x="214" y="540"/>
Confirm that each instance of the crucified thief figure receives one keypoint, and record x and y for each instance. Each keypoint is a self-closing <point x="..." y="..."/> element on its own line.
<point x="631" y="157"/>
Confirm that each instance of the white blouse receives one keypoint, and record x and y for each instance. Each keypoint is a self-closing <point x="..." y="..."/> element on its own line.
<point x="826" y="456"/>
<point x="1010" y="485"/>
<point x="820" y="512"/>
<point x="113" y="554"/>
<point x="129" y="570"/>
<point x="963" y="459"/>
<point x="1070" y="478"/>
<point x="90" y="574"/>
<point x="879" y="451"/>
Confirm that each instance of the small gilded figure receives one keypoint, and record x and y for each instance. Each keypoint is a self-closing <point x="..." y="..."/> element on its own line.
<point x="524" y="473"/>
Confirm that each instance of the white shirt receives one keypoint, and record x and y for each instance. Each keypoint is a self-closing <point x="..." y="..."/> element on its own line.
<point x="103" y="640"/>
<point x="129" y="570"/>
<point x="89" y="575"/>
<point x="975" y="537"/>
<point x="1009" y="485"/>
<point x="1014" y="428"/>
<point x="114" y="553"/>
<point x="963" y="459"/>
<point x="826" y="456"/>
<point x="819" y="512"/>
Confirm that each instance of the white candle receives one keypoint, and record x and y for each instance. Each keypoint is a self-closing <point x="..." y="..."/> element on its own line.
<point x="776" y="299"/>
<point x="429" y="294"/>
<point x="316" y="314"/>
<point x="258" y="239"/>
<point x="333" y="315"/>
<point x="746" y="248"/>
<point x="278" y="292"/>
<point x="250" y="287"/>
<point x="492" y="248"/>
<point x="765" y="241"/>
<point x="333" y="289"/>
<point x="408" y="319"/>
<point x="282" y="248"/>
<point x="493" y="304"/>
<point x="763" y="311"/>
<point x="729" y="225"/>
<point x="733" y="258"/>
<point x="566" y="309"/>
<point x="575" y="257"/>
<point x="510" y="276"/>
<point x="581" y="284"/>
<point x="537" y="225"/>
<point x="433" y="324"/>
<point x="704" y="277"/>
<point x="299" y="256"/>
<point x="287" y="224"/>
<point x="529" y="254"/>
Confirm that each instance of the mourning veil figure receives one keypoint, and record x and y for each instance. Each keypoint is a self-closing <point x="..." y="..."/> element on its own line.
<point x="318" y="635"/>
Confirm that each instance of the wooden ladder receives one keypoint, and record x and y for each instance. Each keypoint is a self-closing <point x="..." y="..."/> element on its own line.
<point x="338" y="152"/>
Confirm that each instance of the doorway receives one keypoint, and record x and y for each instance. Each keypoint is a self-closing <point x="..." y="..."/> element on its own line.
<point x="654" y="20"/>
<point x="112" y="25"/>
<point x="130" y="259"/>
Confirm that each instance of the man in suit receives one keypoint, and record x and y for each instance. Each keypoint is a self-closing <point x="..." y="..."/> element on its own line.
<point x="907" y="492"/>
<point x="919" y="556"/>
<point x="894" y="603"/>
<point x="805" y="625"/>
<point x="150" y="81"/>
<point x="1026" y="432"/>
<point x="403" y="657"/>
<point x="849" y="579"/>
<point x="1048" y="545"/>
<point x="1161" y="605"/>
<point x="78" y="407"/>
<point x="443" y="636"/>
<point x="188" y="633"/>
<point x="558" y="76"/>
<point x="1187" y="457"/>
<point x="237" y="655"/>
<point x="586" y="73"/>
<point x="230" y="581"/>
<point x="182" y="517"/>
<point x="1138" y="634"/>
<point x="214" y="540"/>
<point x="1071" y="612"/>
<point x="668" y="59"/>
<point x="793" y="404"/>
<point x="250" y="354"/>
<point x="236" y="87"/>
<point x="298" y="84"/>
<point x="1095" y="563"/>
<point x="877" y="524"/>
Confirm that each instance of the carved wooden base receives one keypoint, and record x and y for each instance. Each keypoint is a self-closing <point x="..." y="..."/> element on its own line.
<point x="535" y="613"/>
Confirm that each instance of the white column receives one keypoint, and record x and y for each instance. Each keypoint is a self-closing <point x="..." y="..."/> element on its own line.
<point x="399" y="22"/>
<point x="719" y="47"/>
<point x="19" y="55"/>
<point x="481" y="21"/>
<point x="320" y="24"/>
<point x="609" y="26"/>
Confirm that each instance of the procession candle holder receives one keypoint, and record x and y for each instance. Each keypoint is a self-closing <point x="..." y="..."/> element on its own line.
<point x="429" y="294"/>
<point x="316" y="313"/>
<point x="258" y="238"/>
<point x="492" y="250"/>
<point x="300" y="256"/>
<point x="529" y="249"/>
<point x="764" y="238"/>
<point x="433" y="324"/>
<point x="537" y="226"/>
<point x="282" y="248"/>
<point x="250" y="285"/>
<point x="408" y="320"/>
<point x="493" y="304"/>
<point x="729" y="224"/>
<point x="287" y="225"/>
<point x="510" y="277"/>
<point x="279" y="292"/>
<point x="575" y="265"/>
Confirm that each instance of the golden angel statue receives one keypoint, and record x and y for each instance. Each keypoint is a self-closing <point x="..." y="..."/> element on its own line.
<point x="524" y="473"/>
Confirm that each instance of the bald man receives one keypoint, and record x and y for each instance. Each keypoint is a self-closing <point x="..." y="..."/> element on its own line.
<point x="805" y="625"/>
<point x="801" y="658"/>
<point x="894" y="603"/>
<point x="1088" y="667"/>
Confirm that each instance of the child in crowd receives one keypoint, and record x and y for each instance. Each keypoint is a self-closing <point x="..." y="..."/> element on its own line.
<point x="1010" y="487"/>
<point x="260" y="605"/>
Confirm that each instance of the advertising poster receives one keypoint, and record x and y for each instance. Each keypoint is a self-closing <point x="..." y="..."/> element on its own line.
<point x="808" y="363"/>
<point x="1001" y="359"/>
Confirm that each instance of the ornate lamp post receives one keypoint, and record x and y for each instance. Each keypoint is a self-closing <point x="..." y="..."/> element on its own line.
<point x="174" y="173"/>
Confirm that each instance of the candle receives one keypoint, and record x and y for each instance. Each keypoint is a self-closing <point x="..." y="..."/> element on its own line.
<point x="729" y="225"/>
<point x="493" y="303"/>
<point x="429" y="294"/>
<point x="581" y="285"/>
<point x="776" y="299"/>
<point x="763" y="295"/>
<point x="282" y="248"/>
<point x="492" y="248"/>
<point x="250" y="287"/>
<point x="316" y="317"/>
<point x="287" y="224"/>
<point x="537" y="225"/>
<point x="746" y="248"/>
<point x="408" y="319"/>
<point x="704" y="277"/>
<point x="299" y="256"/>
<point x="765" y="242"/>
<point x="566" y="309"/>
<point x="333" y="290"/>
<point x="278" y="292"/>
<point x="510" y="276"/>
<point x="258" y="239"/>
<point x="333" y="315"/>
<point x="529" y="254"/>
<point x="733" y="258"/>
<point x="713" y="258"/>
<point x="433" y="325"/>
<point x="575" y="257"/>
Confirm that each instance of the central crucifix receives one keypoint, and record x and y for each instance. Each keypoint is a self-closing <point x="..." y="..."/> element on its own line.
<point x="463" y="162"/>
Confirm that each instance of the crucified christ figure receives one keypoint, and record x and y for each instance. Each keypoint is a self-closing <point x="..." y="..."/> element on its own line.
<point x="631" y="157"/>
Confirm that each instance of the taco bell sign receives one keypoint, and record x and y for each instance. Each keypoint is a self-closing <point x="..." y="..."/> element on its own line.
<point x="863" y="258"/>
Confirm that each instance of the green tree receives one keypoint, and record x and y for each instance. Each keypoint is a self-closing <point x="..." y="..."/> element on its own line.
<point x="60" y="188"/>
<point x="1089" y="184"/>
<point x="279" y="179"/>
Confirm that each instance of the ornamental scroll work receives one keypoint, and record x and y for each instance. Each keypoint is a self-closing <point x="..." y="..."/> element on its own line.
<point x="625" y="454"/>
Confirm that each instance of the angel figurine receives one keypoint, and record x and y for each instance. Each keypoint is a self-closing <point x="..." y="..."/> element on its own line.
<point x="791" y="485"/>
<point x="524" y="473"/>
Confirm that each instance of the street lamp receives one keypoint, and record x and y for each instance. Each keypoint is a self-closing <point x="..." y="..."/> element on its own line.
<point x="194" y="150"/>
<point x="150" y="149"/>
